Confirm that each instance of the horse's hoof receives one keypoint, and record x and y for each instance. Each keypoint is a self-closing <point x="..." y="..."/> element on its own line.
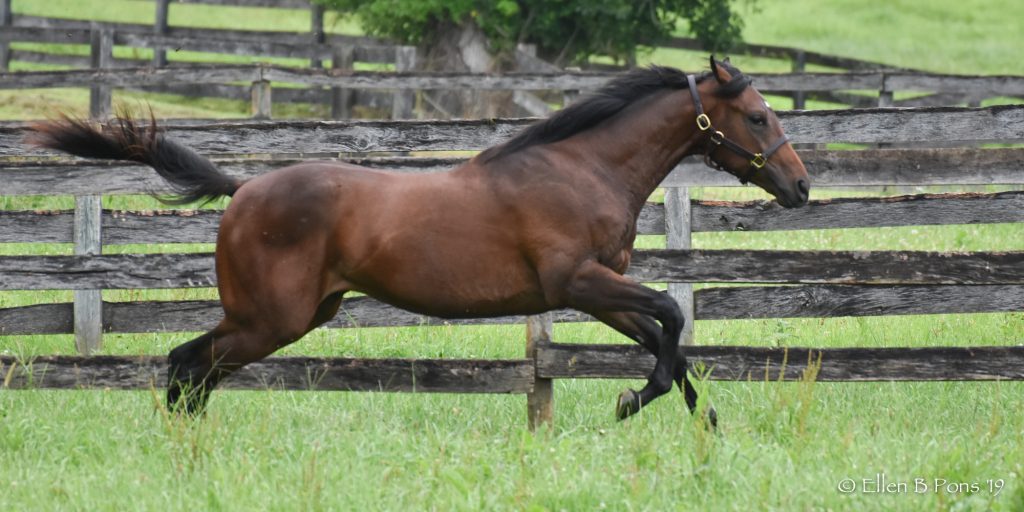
<point x="712" y="418"/>
<point x="628" y="404"/>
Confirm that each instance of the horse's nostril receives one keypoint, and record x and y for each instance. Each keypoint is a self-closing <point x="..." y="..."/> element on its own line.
<point x="804" y="188"/>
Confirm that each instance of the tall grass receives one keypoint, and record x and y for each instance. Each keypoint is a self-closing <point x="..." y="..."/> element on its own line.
<point x="327" y="451"/>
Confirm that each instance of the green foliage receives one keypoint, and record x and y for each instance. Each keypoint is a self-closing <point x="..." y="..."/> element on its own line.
<point x="567" y="31"/>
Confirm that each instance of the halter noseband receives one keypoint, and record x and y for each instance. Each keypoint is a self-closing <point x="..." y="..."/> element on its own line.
<point x="757" y="160"/>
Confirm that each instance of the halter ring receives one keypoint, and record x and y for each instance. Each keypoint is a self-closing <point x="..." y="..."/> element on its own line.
<point x="759" y="161"/>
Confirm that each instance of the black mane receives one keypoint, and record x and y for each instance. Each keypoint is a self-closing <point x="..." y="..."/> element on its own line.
<point x="609" y="100"/>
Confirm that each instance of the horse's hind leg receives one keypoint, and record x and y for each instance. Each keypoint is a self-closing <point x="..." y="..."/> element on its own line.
<point x="186" y="375"/>
<point x="195" y="367"/>
<point x="645" y="331"/>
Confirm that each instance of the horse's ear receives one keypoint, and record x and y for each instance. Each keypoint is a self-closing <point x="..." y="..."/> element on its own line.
<point x="721" y="75"/>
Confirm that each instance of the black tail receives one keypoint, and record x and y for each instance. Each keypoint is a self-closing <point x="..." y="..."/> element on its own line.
<point x="191" y="176"/>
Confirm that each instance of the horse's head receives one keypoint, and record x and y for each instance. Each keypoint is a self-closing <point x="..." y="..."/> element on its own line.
<point x="746" y="139"/>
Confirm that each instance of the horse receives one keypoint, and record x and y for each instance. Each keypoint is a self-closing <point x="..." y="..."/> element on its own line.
<point x="545" y="221"/>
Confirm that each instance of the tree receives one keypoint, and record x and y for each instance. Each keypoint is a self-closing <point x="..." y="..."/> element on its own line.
<point x="482" y="35"/>
<point x="566" y="31"/>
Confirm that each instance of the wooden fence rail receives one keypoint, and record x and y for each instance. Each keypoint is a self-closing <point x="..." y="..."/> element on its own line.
<point x="26" y="28"/>
<point x="989" y="85"/>
<point x="407" y="375"/>
<point x="799" y="56"/>
<point x="732" y="303"/>
<point x="200" y="226"/>
<point x="553" y="361"/>
<point x="205" y="40"/>
<point x="769" y="363"/>
<point x="882" y="125"/>
<point x="195" y="270"/>
<point x="28" y="175"/>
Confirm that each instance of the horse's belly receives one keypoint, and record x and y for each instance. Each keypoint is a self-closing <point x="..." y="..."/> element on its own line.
<point x="448" y="306"/>
<point x="468" y="284"/>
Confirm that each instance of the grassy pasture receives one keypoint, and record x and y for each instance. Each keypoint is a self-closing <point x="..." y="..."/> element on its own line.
<point x="781" y="446"/>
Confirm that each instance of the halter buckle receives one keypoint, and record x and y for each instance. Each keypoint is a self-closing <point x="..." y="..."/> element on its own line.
<point x="703" y="122"/>
<point x="759" y="161"/>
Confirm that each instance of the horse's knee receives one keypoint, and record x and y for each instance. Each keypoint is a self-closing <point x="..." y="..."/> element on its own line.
<point x="669" y="314"/>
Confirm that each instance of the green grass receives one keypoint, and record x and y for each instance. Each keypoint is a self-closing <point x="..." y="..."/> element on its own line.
<point x="184" y="14"/>
<point x="781" y="446"/>
<point x="944" y="36"/>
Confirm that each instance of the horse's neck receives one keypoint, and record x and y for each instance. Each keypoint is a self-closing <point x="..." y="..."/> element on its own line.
<point x="639" y="149"/>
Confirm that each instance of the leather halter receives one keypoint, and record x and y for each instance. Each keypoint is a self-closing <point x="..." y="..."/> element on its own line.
<point x="757" y="160"/>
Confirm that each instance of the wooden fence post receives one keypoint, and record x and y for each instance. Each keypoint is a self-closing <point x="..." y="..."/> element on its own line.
<point x="160" y="29"/>
<point x="540" y="404"/>
<point x="101" y="57"/>
<point x="341" y="97"/>
<point x="262" y="103"/>
<point x="6" y="20"/>
<point x="885" y="100"/>
<point x="88" y="305"/>
<point x="316" y="28"/>
<point x="799" y="65"/>
<point x="405" y="61"/>
<point x="884" y="94"/>
<point x="677" y="234"/>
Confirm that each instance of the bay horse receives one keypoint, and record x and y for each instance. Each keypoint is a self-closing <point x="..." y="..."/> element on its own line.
<point x="544" y="221"/>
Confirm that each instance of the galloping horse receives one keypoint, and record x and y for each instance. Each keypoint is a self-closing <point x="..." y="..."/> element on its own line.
<point x="544" y="221"/>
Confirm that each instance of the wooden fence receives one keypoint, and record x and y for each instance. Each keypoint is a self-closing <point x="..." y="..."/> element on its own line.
<point x="288" y="44"/>
<point x="344" y="51"/>
<point x="161" y="36"/>
<point x="820" y="284"/>
<point x="341" y="83"/>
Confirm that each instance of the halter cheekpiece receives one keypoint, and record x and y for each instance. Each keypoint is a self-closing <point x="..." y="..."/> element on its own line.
<point x="757" y="160"/>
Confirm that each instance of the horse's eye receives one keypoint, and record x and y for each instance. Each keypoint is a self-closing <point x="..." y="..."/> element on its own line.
<point x="758" y="119"/>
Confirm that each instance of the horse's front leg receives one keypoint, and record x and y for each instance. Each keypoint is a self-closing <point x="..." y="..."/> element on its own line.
<point x="645" y="331"/>
<point x="598" y="290"/>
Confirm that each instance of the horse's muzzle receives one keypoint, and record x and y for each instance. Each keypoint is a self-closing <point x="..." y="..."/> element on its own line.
<point x="795" y="196"/>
